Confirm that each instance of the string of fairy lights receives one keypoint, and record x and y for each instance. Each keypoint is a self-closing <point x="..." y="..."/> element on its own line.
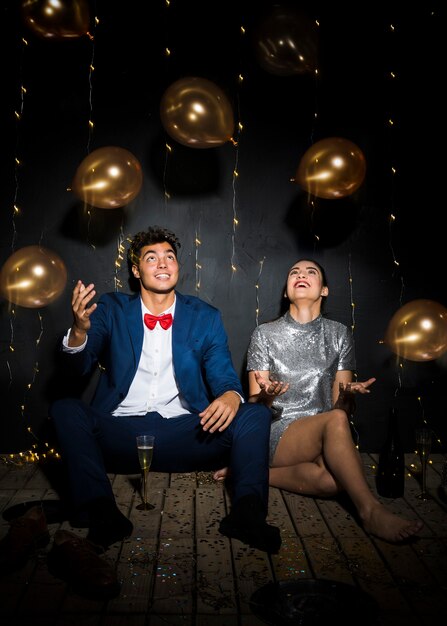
<point x="351" y="294"/>
<point x="235" y="220"/>
<point x="32" y="454"/>
<point x="90" y="122"/>
<point x="235" y="141"/>
<point x="240" y="128"/>
<point x="261" y="267"/>
<point x="392" y="124"/>
<point x="39" y="450"/>
<point x="18" y="114"/>
<point x="198" y="266"/>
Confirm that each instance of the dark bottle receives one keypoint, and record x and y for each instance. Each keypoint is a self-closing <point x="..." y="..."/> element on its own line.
<point x="390" y="477"/>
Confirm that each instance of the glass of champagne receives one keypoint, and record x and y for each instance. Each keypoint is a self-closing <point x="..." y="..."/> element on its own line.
<point x="423" y="442"/>
<point x="145" y="447"/>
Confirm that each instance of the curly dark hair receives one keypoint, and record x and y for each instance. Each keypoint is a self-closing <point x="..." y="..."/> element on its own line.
<point x="154" y="234"/>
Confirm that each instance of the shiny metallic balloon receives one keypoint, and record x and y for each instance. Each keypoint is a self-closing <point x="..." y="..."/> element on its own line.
<point x="197" y="113"/>
<point x="33" y="277"/>
<point x="57" y="19"/>
<point x="108" y="178"/>
<point x="286" y="43"/>
<point x="331" y="168"/>
<point x="418" y="330"/>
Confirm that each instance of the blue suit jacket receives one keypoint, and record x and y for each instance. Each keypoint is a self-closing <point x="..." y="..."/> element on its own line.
<point x="201" y="358"/>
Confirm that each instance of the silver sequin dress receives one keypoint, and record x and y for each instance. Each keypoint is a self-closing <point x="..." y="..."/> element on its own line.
<point x="307" y="356"/>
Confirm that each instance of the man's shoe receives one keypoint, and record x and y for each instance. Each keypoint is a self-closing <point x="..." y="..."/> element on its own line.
<point x="76" y="561"/>
<point x="26" y="534"/>
<point x="246" y="522"/>
<point x="107" y="523"/>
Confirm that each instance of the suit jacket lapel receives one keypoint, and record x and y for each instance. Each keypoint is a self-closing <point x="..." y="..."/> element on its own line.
<point x="135" y="325"/>
<point x="183" y="320"/>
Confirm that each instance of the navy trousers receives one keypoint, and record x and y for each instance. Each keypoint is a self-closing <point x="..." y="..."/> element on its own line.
<point x="93" y="444"/>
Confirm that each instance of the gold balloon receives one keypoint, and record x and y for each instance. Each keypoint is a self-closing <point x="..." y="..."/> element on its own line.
<point x="33" y="277"/>
<point x="57" y="19"/>
<point x="108" y="178"/>
<point x="418" y="331"/>
<point x="331" y="168"/>
<point x="197" y="113"/>
<point x="286" y="43"/>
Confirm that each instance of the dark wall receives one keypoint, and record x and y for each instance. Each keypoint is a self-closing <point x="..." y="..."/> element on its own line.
<point x="374" y="263"/>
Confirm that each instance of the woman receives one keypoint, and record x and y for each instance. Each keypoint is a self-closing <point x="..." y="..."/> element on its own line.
<point x="301" y="366"/>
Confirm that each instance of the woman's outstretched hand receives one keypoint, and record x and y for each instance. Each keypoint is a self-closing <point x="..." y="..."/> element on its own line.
<point x="346" y="393"/>
<point x="358" y="387"/>
<point x="270" y="387"/>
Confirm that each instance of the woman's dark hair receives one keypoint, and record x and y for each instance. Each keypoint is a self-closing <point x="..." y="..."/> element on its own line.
<point x="154" y="234"/>
<point x="284" y="306"/>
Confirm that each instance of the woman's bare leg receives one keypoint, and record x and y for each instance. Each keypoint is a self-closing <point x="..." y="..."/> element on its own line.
<point x="316" y="456"/>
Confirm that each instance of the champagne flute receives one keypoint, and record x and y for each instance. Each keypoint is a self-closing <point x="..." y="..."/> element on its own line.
<point x="145" y="447"/>
<point x="423" y="442"/>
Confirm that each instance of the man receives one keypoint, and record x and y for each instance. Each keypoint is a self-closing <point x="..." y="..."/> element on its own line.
<point x="166" y="370"/>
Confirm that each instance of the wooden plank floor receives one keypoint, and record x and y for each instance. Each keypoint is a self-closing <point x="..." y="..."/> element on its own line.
<point x="177" y="568"/>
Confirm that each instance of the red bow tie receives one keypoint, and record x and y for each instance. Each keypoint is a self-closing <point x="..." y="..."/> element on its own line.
<point x="151" y="320"/>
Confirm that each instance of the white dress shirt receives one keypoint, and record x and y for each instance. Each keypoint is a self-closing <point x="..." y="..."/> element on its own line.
<point x="154" y="387"/>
